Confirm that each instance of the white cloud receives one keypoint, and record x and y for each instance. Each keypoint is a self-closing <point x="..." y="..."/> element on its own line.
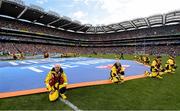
<point x="114" y="11"/>
<point x="80" y="16"/>
<point x="41" y="1"/>
<point x="83" y="1"/>
<point x="122" y="10"/>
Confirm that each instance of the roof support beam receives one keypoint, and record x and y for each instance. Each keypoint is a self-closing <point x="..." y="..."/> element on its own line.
<point x="0" y="3"/>
<point x="54" y="21"/>
<point x="133" y="24"/>
<point x="107" y="28"/>
<point x="112" y="29"/>
<point x="164" y="19"/>
<point x="147" y="22"/>
<point x="82" y="28"/>
<point x="22" y="12"/>
<point x="89" y="29"/>
<point x="103" y="29"/>
<point x="95" y="30"/>
<point x="65" y="25"/>
<point x="122" y="27"/>
<point x="116" y="28"/>
<point x="74" y="27"/>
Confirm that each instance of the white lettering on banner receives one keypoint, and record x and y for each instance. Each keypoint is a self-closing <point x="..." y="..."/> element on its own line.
<point x="63" y="65"/>
<point x="80" y="63"/>
<point x="24" y="62"/>
<point x="35" y="69"/>
<point x="56" y="60"/>
<point x="33" y="62"/>
<point x="68" y="66"/>
<point x="89" y="62"/>
<point x="13" y="63"/>
<point x="46" y="67"/>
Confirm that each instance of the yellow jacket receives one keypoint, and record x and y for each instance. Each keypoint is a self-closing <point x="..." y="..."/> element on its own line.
<point x="146" y="59"/>
<point x="114" y="70"/>
<point x="170" y="62"/>
<point x="154" y="63"/>
<point x="154" y="66"/>
<point x="50" y="76"/>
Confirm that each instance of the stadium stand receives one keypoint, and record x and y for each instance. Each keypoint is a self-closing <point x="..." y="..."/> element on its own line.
<point x="44" y="31"/>
<point x="34" y="49"/>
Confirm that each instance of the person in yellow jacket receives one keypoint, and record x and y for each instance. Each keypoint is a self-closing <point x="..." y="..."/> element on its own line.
<point x="146" y="60"/>
<point x="170" y="65"/>
<point x="56" y="82"/>
<point x="141" y="58"/>
<point x="117" y="73"/>
<point x="156" y="68"/>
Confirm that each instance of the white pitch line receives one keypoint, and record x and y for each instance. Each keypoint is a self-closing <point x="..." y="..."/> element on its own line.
<point x="75" y="108"/>
<point x="13" y="63"/>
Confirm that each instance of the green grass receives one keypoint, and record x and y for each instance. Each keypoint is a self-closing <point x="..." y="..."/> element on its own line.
<point x="31" y="102"/>
<point x="147" y="93"/>
<point x="109" y="56"/>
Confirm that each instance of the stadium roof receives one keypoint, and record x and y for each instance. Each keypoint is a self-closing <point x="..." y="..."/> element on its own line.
<point x="35" y="14"/>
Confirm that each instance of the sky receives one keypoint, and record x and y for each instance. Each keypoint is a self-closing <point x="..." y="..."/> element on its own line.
<point x="105" y="12"/>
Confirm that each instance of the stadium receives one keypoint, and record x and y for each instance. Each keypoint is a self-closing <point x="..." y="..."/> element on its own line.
<point x="33" y="40"/>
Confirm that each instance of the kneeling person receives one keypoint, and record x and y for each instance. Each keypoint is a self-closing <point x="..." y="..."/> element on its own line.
<point x="156" y="68"/>
<point x="56" y="82"/>
<point x="117" y="73"/>
<point x="171" y="65"/>
<point x="146" y="60"/>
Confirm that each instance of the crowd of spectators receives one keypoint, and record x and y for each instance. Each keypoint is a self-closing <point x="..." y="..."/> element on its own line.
<point x="29" y="27"/>
<point x="48" y="40"/>
<point x="34" y="49"/>
<point x="39" y="48"/>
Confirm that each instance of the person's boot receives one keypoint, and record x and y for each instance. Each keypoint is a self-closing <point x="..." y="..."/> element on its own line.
<point x="146" y="73"/>
<point x="159" y="77"/>
<point x="63" y="96"/>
